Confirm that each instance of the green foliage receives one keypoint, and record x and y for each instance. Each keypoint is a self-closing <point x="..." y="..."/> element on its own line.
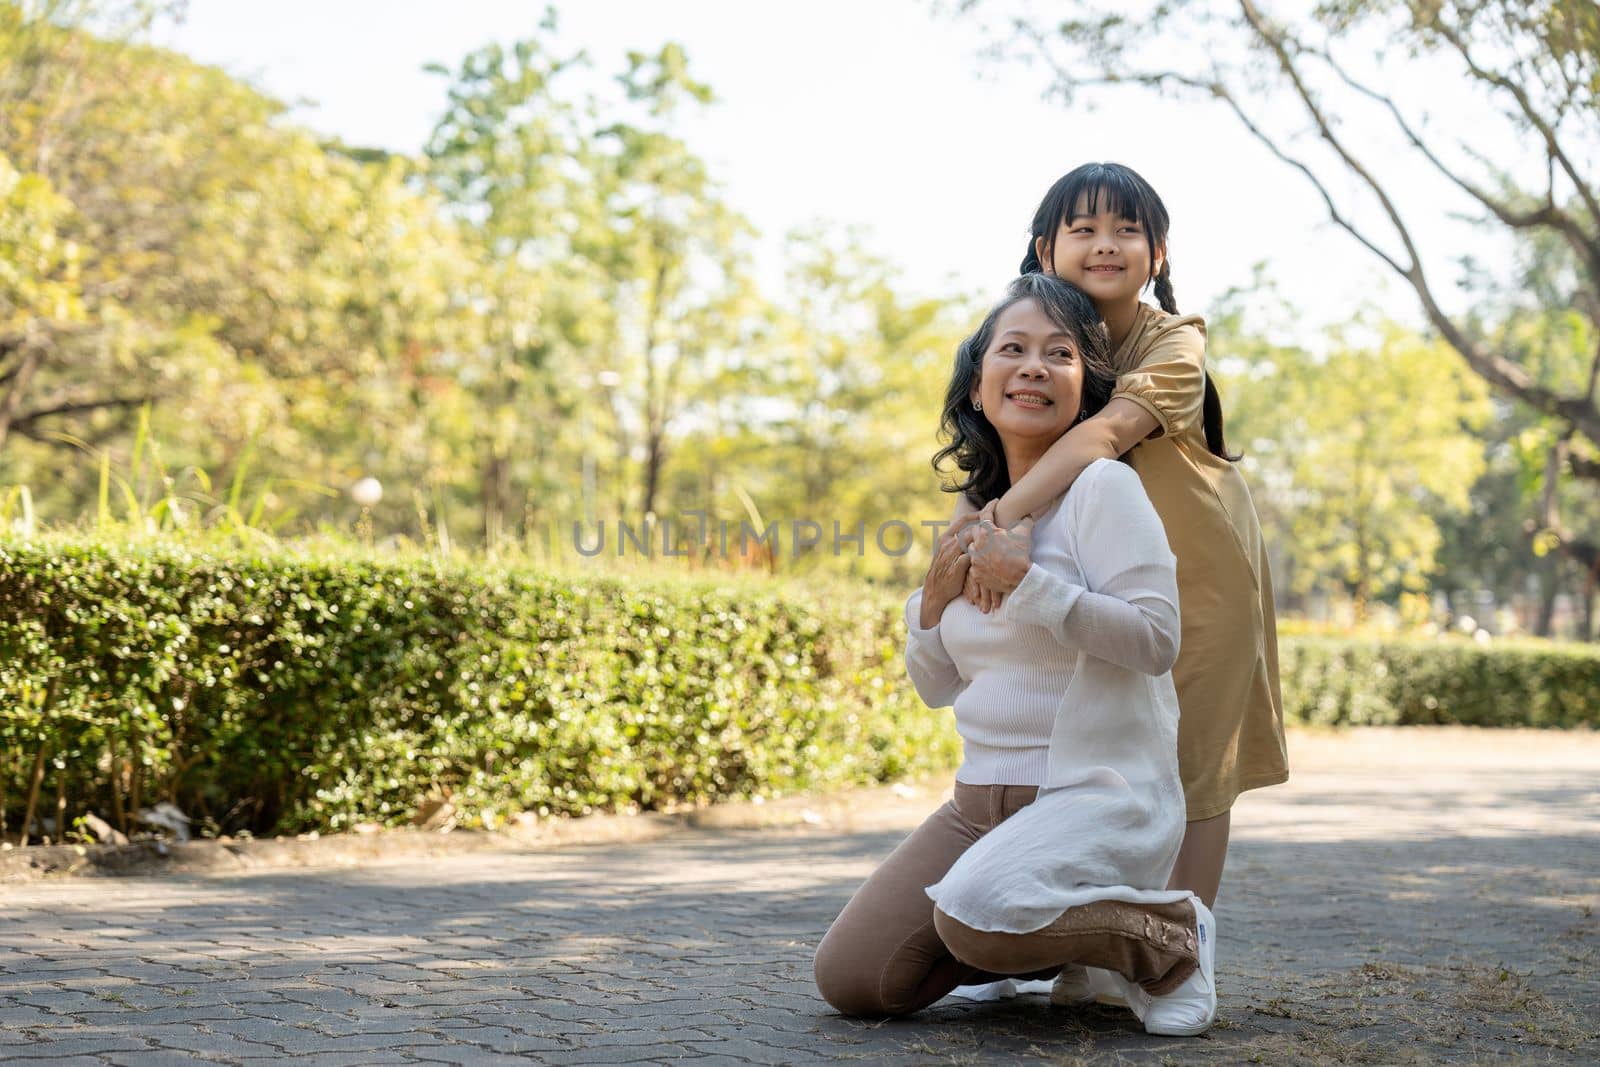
<point x="549" y="315"/>
<point x="38" y="268"/>
<point x="1331" y="681"/>
<point x="1357" y="454"/>
<point x="852" y="384"/>
<point x="625" y="285"/>
<point x="263" y="295"/>
<point x="284" y="693"/>
<point x="274" y="693"/>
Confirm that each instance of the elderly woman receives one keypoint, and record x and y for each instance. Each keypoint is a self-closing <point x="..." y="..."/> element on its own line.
<point x="1068" y="811"/>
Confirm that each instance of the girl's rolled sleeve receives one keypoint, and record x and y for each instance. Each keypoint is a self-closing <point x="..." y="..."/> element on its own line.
<point x="1170" y="380"/>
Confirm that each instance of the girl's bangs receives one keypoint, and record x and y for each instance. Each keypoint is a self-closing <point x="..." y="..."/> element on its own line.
<point x="1104" y="189"/>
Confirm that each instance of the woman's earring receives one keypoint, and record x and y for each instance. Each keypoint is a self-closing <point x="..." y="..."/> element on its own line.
<point x="977" y="405"/>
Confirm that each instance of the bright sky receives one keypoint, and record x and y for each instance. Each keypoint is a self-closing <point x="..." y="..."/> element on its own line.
<point x="877" y="113"/>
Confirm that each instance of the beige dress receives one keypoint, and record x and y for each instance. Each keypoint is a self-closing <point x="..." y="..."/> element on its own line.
<point x="1230" y="729"/>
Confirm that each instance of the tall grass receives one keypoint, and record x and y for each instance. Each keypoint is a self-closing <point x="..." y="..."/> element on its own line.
<point x="146" y="499"/>
<point x="138" y="498"/>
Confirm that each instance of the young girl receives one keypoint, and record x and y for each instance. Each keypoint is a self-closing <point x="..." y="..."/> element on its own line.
<point x="1103" y="228"/>
<point x="1068" y="809"/>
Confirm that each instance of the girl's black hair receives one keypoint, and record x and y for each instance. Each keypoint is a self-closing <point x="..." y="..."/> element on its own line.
<point x="973" y="441"/>
<point x="1130" y="196"/>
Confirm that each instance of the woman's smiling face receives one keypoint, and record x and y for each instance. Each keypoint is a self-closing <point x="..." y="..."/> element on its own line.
<point x="1031" y="382"/>
<point x="1104" y="253"/>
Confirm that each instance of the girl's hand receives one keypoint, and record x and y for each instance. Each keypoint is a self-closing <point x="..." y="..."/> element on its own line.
<point x="1000" y="560"/>
<point x="975" y="593"/>
<point x="947" y="574"/>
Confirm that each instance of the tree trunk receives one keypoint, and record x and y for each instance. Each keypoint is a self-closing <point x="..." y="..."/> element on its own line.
<point x="496" y="496"/>
<point x="654" y="459"/>
<point x="135" y="775"/>
<point x="11" y="405"/>
<point x="1588" y="613"/>
<point x="118" y="812"/>
<point x="1549" y="589"/>
<point x="61" y="808"/>
<point x="34" y="782"/>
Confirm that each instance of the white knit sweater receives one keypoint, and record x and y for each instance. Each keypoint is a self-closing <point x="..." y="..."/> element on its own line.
<point x="1067" y="687"/>
<point x="1103" y="581"/>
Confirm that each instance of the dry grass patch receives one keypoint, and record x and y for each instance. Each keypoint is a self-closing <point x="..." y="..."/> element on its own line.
<point x="1392" y="1013"/>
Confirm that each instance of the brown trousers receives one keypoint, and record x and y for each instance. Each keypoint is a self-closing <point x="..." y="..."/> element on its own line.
<point x="891" y="952"/>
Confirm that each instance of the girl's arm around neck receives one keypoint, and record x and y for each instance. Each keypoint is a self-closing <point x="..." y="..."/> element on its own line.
<point x="1126" y="610"/>
<point x="1117" y="427"/>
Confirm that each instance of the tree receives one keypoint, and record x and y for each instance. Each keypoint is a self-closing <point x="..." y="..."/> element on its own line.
<point x="670" y="258"/>
<point x="617" y="261"/>
<point x="1534" y="63"/>
<point x="507" y="156"/>
<point x="40" y="299"/>
<point x="60" y="348"/>
<point x="1371" y="443"/>
<point x="174" y="246"/>
<point x="851" y="390"/>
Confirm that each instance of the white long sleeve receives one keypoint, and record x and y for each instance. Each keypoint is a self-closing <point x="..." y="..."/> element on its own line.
<point x="1127" y="612"/>
<point x="933" y="673"/>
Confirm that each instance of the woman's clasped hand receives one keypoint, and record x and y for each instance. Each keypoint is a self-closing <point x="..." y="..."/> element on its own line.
<point x="976" y="559"/>
<point x="1001" y="559"/>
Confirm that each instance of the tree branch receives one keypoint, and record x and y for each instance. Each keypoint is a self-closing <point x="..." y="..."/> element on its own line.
<point x="1538" y="121"/>
<point x="19" y="380"/>
<point x="1594" y="373"/>
<point x="1547" y="214"/>
<point x="1498" y="371"/>
<point x="24" y="423"/>
<point x="1219" y="91"/>
<point x="1583" y="467"/>
<point x="1275" y="42"/>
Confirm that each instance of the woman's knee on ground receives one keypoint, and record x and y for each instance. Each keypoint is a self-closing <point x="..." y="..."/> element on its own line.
<point x="855" y="986"/>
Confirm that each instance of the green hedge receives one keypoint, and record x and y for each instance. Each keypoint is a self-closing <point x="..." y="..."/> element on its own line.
<point x="282" y="695"/>
<point x="1419" y="682"/>
<point x="279" y="694"/>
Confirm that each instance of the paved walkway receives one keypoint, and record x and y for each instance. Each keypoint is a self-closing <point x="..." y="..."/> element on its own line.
<point x="1412" y="896"/>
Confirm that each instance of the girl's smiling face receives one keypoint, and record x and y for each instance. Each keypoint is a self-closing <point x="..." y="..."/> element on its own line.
<point x="1104" y="253"/>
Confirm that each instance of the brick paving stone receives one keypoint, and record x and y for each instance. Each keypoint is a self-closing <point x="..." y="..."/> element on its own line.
<point x="257" y="1029"/>
<point x="181" y="1015"/>
<point x="199" y="1040"/>
<point x="662" y="1053"/>
<point x="1412" y="896"/>
<point x="745" y="1049"/>
<point x="339" y="1059"/>
<point x="69" y="1047"/>
<point x="470" y="1056"/>
<point x="156" y="1057"/>
<point x="16" y="1016"/>
<point x="528" y="1047"/>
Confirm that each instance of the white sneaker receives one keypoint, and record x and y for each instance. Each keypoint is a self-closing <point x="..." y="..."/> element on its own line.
<point x="1192" y="1007"/>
